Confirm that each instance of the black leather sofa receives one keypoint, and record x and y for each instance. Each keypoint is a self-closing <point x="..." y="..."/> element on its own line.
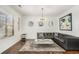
<point x="68" y="42"/>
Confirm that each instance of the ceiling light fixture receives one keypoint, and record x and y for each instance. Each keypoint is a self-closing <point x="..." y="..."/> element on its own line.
<point x="42" y="17"/>
<point x="20" y="6"/>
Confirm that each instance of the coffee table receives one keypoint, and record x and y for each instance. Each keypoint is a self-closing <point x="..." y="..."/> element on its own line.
<point x="43" y="41"/>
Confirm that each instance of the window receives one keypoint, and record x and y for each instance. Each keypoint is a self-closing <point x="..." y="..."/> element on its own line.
<point x="6" y="25"/>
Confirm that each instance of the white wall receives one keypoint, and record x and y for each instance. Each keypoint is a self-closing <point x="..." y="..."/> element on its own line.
<point x="32" y="31"/>
<point x="75" y="21"/>
<point x="9" y="41"/>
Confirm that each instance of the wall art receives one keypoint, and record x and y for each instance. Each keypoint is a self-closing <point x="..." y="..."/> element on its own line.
<point x="41" y="23"/>
<point x="65" y="23"/>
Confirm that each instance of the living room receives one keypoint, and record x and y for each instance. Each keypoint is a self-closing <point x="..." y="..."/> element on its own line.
<point x="39" y="23"/>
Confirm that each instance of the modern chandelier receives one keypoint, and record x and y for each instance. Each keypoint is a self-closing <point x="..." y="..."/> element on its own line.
<point x="42" y="16"/>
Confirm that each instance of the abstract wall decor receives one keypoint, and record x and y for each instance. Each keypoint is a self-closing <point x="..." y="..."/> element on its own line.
<point x="19" y="20"/>
<point x="65" y="23"/>
<point x="30" y="23"/>
<point x="41" y="23"/>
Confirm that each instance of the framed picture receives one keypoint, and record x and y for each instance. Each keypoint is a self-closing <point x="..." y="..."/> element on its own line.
<point x="65" y="23"/>
<point x="19" y="23"/>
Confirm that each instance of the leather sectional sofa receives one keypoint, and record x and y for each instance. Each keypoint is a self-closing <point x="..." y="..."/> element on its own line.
<point x="68" y="42"/>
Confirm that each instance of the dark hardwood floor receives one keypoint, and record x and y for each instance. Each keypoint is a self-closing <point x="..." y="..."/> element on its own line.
<point x="71" y="52"/>
<point x="15" y="50"/>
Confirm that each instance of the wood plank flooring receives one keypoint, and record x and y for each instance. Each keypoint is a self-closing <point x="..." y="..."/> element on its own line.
<point x="15" y="50"/>
<point x="71" y="52"/>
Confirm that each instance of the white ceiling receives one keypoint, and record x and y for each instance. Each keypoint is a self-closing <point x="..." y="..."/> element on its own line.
<point x="35" y="10"/>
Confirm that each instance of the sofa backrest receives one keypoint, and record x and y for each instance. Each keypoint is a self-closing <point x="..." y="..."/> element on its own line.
<point x="44" y="35"/>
